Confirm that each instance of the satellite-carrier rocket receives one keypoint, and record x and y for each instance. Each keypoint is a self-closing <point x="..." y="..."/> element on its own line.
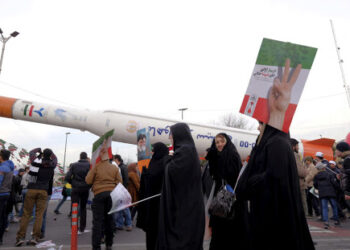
<point x="125" y="125"/>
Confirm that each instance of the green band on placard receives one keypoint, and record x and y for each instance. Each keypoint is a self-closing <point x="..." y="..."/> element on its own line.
<point x="275" y="53"/>
<point x="99" y="142"/>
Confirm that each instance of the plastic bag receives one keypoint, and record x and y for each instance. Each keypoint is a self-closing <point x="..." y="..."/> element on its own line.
<point x="121" y="198"/>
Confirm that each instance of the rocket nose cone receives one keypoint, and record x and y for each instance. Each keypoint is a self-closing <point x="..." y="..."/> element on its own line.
<point x="6" y="105"/>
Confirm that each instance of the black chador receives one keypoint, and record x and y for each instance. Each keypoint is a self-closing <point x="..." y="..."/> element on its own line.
<point x="151" y="184"/>
<point x="182" y="220"/>
<point x="224" y="167"/>
<point x="270" y="186"/>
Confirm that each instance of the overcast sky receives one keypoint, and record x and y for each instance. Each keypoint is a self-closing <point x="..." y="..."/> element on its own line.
<point x="154" y="57"/>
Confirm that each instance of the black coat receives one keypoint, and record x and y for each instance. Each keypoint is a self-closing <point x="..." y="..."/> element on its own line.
<point x="76" y="175"/>
<point x="224" y="167"/>
<point x="270" y="183"/>
<point x="346" y="177"/>
<point x="124" y="173"/>
<point x="345" y="181"/>
<point x="181" y="215"/>
<point x="151" y="184"/>
<point x="327" y="184"/>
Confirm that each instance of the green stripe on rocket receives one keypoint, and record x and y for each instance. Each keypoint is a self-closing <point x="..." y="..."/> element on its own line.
<point x="25" y="110"/>
<point x="275" y="53"/>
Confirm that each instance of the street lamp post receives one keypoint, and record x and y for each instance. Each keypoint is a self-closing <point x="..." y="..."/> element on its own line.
<point x="4" y="41"/>
<point x="65" y="148"/>
<point x="182" y="112"/>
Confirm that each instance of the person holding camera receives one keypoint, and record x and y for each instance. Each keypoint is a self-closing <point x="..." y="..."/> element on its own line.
<point x="41" y="173"/>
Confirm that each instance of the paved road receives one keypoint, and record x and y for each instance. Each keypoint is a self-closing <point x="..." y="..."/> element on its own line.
<point x="58" y="230"/>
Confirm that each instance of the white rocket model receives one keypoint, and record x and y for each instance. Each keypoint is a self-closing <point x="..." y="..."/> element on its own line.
<point x="125" y="125"/>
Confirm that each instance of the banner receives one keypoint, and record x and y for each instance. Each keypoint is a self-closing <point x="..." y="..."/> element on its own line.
<point x="277" y="82"/>
<point x="103" y="143"/>
<point x="144" y="148"/>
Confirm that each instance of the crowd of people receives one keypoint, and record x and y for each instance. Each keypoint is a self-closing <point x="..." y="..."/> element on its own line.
<point x="329" y="178"/>
<point x="274" y="190"/>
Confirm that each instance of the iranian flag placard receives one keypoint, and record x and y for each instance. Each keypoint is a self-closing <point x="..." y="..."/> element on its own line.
<point x="277" y="81"/>
<point x="103" y="143"/>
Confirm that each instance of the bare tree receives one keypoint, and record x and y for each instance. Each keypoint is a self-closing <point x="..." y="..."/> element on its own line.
<point x="236" y="121"/>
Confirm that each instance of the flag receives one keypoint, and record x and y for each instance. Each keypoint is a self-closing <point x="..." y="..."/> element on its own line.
<point x="105" y="141"/>
<point x="2" y="143"/>
<point x="60" y="168"/>
<point x="24" y="152"/>
<point x="12" y="147"/>
<point x="21" y="155"/>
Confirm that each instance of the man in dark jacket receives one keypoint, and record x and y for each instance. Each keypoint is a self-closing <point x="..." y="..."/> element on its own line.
<point x="41" y="173"/>
<point x="16" y="191"/>
<point x="327" y="186"/>
<point x="80" y="190"/>
<point x="343" y="151"/>
<point x="6" y="174"/>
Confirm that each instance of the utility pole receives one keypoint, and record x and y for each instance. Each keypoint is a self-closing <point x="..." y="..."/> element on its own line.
<point x="340" y="61"/>
<point x="64" y="157"/>
<point x="182" y="112"/>
<point x="4" y="40"/>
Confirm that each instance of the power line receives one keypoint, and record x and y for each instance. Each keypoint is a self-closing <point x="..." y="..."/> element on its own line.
<point x="321" y="97"/>
<point x="35" y="94"/>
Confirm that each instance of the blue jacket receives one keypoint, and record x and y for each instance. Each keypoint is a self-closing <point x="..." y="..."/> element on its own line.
<point x="6" y="174"/>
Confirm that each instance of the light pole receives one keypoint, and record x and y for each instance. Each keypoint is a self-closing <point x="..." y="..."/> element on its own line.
<point x="182" y="112"/>
<point x="4" y="41"/>
<point x="64" y="157"/>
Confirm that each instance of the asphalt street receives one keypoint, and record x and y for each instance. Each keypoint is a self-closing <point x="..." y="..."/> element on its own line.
<point x="59" y="232"/>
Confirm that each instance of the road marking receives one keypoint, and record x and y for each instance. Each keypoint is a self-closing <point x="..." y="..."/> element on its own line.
<point x="314" y="229"/>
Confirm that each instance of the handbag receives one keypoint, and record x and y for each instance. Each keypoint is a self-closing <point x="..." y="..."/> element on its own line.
<point x="222" y="204"/>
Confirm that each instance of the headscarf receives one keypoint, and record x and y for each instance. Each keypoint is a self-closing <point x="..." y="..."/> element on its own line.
<point x="159" y="150"/>
<point x="225" y="164"/>
<point x="181" y="135"/>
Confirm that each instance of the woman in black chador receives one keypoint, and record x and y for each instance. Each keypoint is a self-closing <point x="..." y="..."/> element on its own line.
<point x="224" y="166"/>
<point x="151" y="184"/>
<point x="270" y="184"/>
<point x="181" y="215"/>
